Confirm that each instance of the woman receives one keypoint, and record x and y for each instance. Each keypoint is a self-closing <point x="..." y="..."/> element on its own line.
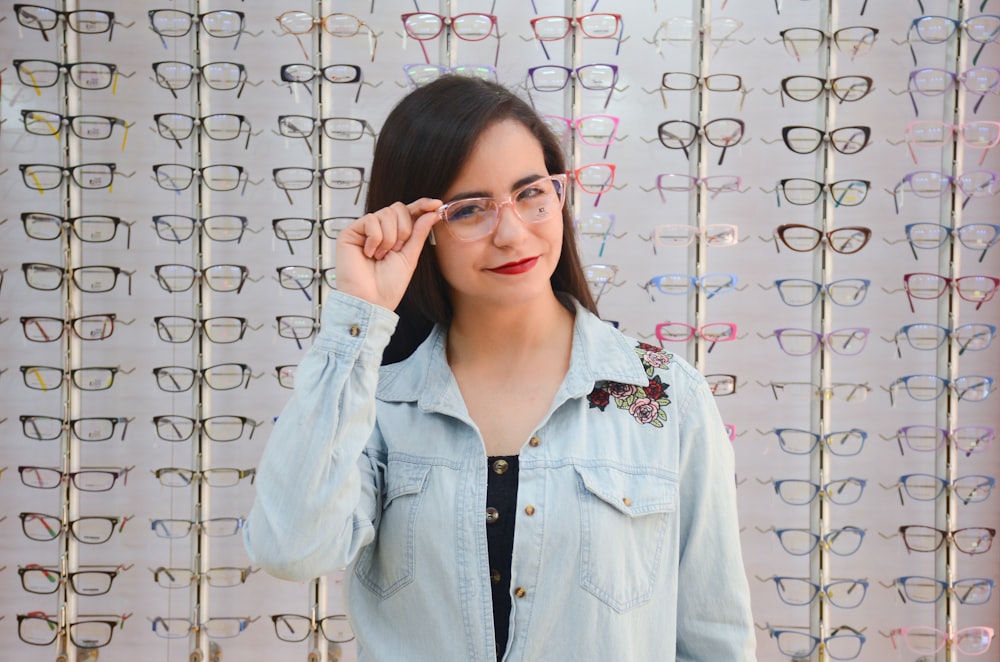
<point x="527" y="484"/>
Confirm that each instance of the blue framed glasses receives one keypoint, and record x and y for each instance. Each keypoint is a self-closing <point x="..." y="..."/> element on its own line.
<point x="677" y="284"/>
<point x="844" y="541"/>
<point x="798" y="591"/>
<point x="844" y="644"/>
<point x="973" y="388"/>
<point x="927" y="487"/>
<point x="842" y="292"/>
<point x="843" y="443"/>
<point x="973" y="337"/>
<point x="927" y="590"/>
<point x="842" y="492"/>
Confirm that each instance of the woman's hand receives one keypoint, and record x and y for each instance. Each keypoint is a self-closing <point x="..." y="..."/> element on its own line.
<point x="377" y="253"/>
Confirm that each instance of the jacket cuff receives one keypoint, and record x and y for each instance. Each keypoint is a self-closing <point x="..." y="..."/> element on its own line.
<point x="356" y="328"/>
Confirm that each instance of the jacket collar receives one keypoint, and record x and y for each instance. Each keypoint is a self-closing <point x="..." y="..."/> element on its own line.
<point x="599" y="353"/>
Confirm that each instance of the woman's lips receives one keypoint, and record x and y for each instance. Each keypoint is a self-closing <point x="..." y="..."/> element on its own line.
<point x="513" y="268"/>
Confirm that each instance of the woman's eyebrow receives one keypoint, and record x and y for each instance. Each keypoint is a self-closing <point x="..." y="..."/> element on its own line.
<point x="465" y="195"/>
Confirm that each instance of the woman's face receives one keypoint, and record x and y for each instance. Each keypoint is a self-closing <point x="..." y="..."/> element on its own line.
<point x="512" y="265"/>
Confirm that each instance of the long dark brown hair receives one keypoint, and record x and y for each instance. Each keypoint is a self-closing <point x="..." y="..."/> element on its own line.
<point x="425" y="141"/>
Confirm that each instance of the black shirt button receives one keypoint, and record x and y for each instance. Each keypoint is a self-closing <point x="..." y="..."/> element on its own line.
<point x="492" y="515"/>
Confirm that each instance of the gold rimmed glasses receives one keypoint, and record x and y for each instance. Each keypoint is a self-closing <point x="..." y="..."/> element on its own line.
<point x="298" y="23"/>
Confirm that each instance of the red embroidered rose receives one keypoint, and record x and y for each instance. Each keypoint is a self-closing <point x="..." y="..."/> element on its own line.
<point x="599" y="398"/>
<point x="656" y="389"/>
<point x="620" y="391"/>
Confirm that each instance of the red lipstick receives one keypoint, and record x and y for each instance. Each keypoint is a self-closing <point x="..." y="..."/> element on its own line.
<point x="514" y="268"/>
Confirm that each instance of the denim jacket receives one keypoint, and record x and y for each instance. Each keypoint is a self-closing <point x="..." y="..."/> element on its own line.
<point x="626" y="545"/>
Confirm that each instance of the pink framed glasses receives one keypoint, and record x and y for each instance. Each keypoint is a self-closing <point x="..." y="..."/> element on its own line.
<point x="922" y="639"/>
<point x="979" y="134"/>
<point x="681" y="332"/>
<point x="424" y="26"/>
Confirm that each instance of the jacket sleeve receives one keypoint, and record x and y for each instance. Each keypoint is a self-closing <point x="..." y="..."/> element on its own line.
<point x="316" y="491"/>
<point x="714" y="621"/>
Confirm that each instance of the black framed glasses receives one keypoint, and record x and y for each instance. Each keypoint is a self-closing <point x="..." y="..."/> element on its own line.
<point x="81" y="21"/>
<point x="218" y="227"/>
<point x="296" y="327"/>
<point x="804" y="191"/>
<point x="335" y="128"/>
<point x="683" y="81"/>
<point x="296" y="627"/>
<point x="219" y="577"/>
<point x="86" y="479"/>
<point x="218" y="277"/>
<point x="301" y="277"/>
<point x="291" y="229"/>
<point x="92" y="279"/>
<point x="805" y="238"/>
<point x="217" y="126"/>
<point x="842" y="292"/>
<point x="806" y="88"/>
<point x="724" y="132"/>
<point x="84" y="75"/>
<point x="807" y="139"/>
<point x="221" y="329"/>
<point x="222" y="23"/>
<point x="173" y="75"/>
<point x="970" y="540"/>
<point x="88" y="580"/>
<point x="854" y="41"/>
<point x="216" y="477"/>
<point x="89" y="631"/>
<point x="88" y="428"/>
<point x="553" y="78"/>
<point x="218" y="377"/>
<point x="471" y="26"/>
<point x="339" y="74"/>
<point x="49" y="378"/>
<point x="220" y="177"/>
<point x="39" y="328"/>
<point x="286" y="375"/>
<point x="47" y="176"/>
<point x="298" y="23"/>
<point x="90" y="530"/>
<point x="94" y="229"/>
<point x="226" y="427"/>
<point x="87" y="127"/>
<point x="335" y="177"/>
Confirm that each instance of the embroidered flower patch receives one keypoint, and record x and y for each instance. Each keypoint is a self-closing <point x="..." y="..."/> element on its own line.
<point x="646" y="404"/>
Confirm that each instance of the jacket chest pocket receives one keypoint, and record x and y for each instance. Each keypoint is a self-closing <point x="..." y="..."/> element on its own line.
<point x="624" y="518"/>
<point x="386" y="565"/>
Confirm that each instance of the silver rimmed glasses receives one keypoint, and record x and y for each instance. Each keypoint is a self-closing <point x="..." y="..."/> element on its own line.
<point x="173" y="75"/>
<point x="469" y="219"/>
<point x="212" y="527"/>
<point x="216" y="477"/>
<point x="842" y="292"/>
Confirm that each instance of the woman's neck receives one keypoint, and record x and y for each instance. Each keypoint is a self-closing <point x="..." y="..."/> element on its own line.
<point x="484" y="331"/>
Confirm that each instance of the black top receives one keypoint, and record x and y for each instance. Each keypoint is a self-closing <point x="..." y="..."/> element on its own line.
<point x="501" y="504"/>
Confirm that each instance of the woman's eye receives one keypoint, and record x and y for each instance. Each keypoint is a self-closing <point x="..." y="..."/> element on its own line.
<point x="465" y="212"/>
<point x="530" y="192"/>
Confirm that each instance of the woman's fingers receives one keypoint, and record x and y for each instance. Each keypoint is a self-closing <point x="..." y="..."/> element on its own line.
<point x="389" y="229"/>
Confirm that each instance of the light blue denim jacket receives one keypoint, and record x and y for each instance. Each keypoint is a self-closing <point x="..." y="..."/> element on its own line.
<point x="630" y="550"/>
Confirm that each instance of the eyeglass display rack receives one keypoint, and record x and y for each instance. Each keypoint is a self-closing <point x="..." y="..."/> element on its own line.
<point x="773" y="390"/>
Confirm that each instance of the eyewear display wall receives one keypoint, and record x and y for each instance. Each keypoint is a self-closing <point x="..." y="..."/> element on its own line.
<point x="730" y="175"/>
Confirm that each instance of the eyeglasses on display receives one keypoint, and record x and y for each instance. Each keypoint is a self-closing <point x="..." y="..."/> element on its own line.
<point x="683" y="32"/>
<point x="90" y="530"/>
<point x="844" y="541"/>
<point x="221" y="329"/>
<point x="713" y="333"/>
<point x="854" y="41"/>
<point x="296" y="627"/>
<point x="296" y="327"/>
<point x="842" y="292"/>
<point x="218" y="377"/>
<point x="421" y="74"/>
<point x="928" y="590"/>
<point x="217" y="126"/>
<point x="300" y="229"/>
<point x="173" y="23"/>
<point x="173" y="427"/>
<point x="335" y="177"/>
<point x="843" y="443"/>
<point x="216" y="627"/>
<point x="724" y="132"/>
<point x="597" y="226"/>
<point x="94" y="278"/>
<point x="88" y="428"/>
<point x="212" y="527"/>
<point x="807" y="139"/>
<point x="298" y="23"/>
<point x="553" y="78"/>
<point x="220" y="177"/>
<point x="973" y="337"/>
<point x="804" y="191"/>
<point x="45" y="177"/>
<point x="86" y="127"/>
<point x="301" y="277"/>
<point x="923" y="639"/>
<point x="87" y="479"/>
<point x="804" y="238"/>
<point x="804" y="342"/>
<point x="340" y="74"/>
<point x="218" y="277"/>
<point x="806" y="88"/>
<point x="976" y="289"/>
<point x="841" y="492"/>
<point x="971" y="388"/>
<point x="88" y="327"/>
<point x="847" y="391"/>
<point x="679" y="236"/>
<point x="220" y="577"/>
<point x="935" y="184"/>
<point x="799" y="591"/>
<point x="424" y="26"/>
<point x="934" y="82"/>
<point x="982" y="29"/>
<point x="681" y="183"/>
<point x="220" y="477"/>
<point x="286" y="375"/>
<point x="88" y="580"/>
<point x="593" y="130"/>
<point x="82" y="21"/>
<point x="600" y="277"/>
<point x="977" y="134"/>
<point x="88" y="229"/>
<point x="844" y="644"/>
<point x="173" y="75"/>
<point x="970" y="540"/>
<point x="927" y="487"/>
<point x="469" y="219"/>
<point x="974" y="236"/>
<point x="50" y="378"/>
<point x="593" y="26"/>
<point x="968" y="439"/>
<point x="335" y="128"/>
<point x="677" y="284"/>
<point x="90" y="631"/>
<point x="218" y="227"/>
<point x="721" y="385"/>
<point x="84" y="75"/>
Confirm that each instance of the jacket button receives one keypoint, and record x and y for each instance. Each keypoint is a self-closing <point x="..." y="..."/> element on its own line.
<point x="534" y="442"/>
<point x="627" y="502"/>
<point x="355" y="331"/>
<point x="520" y="592"/>
<point x="529" y="510"/>
<point x="500" y="467"/>
<point x="492" y="515"/>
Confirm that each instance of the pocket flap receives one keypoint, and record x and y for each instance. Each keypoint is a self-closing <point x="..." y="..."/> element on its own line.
<point x="629" y="493"/>
<point x="402" y="478"/>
